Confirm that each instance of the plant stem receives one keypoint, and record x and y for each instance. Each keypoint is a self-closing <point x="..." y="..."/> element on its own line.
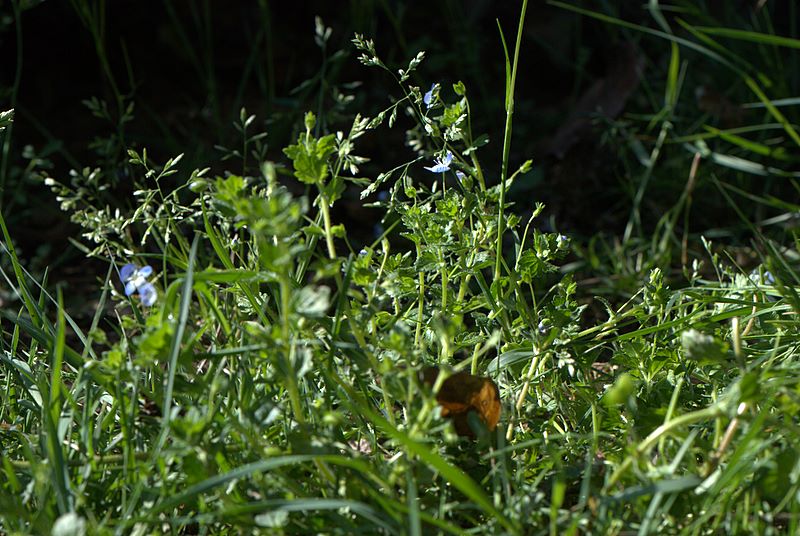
<point x="326" y="218"/>
<point x="445" y="283"/>
<point x="420" y="309"/>
<point x="507" y="142"/>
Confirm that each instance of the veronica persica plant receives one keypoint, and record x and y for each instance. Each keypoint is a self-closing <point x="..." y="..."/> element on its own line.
<point x="135" y="281"/>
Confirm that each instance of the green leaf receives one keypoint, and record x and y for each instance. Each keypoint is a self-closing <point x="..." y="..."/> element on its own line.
<point x="333" y="190"/>
<point x="312" y="302"/>
<point x="703" y="348"/>
<point x="310" y="157"/>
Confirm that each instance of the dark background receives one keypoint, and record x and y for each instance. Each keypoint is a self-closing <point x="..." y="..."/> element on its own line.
<point x="188" y="67"/>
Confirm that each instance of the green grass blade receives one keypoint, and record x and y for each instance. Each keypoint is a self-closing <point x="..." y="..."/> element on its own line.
<point x="177" y="341"/>
<point x="748" y="145"/>
<point x="192" y="492"/>
<point x="750" y="36"/>
<point x="51" y="410"/>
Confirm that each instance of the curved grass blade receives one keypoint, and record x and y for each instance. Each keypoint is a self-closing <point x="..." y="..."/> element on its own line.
<point x="211" y="483"/>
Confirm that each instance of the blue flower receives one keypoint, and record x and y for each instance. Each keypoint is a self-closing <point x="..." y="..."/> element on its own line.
<point x="429" y="98"/>
<point x="765" y="278"/>
<point x="440" y="164"/>
<point x="148" y="294"/>
<point x="135" y="281"/>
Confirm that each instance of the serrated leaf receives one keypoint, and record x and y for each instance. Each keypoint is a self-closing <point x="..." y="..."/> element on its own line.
<point x="309" y="157"/>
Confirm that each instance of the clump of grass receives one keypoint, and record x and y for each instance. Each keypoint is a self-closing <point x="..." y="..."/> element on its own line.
<point x="264" y="375"/>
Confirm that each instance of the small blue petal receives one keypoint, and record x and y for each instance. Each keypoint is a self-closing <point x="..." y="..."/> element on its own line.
<point x="148" y="294"/>
<point x="362" y="252"/>
<point x="428" y="97"/>
<point x="441" y="164"/>
<point x="126" y="271"/>
<point x="438" y="168"/>
<point x="145" y="270"/>
<point x="130" y="288"/>
<point x="769" y="279"/>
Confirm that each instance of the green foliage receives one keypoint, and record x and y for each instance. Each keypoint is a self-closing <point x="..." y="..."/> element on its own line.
<point x="275" y="386"/>
<point x="310" y="155"/>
